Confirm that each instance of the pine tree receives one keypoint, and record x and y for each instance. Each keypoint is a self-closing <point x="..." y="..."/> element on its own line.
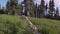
<point x="12" y="6"/>
<point x="35" y="12"/>
<point x="57" y="11"/>
<point x="38" y="11"/>
<point x="42" y="7"/>
<point x="0" y="7"/>
<point x="8" y="7"/>
<point x="2" y="10"/>
<point x="46" y="7"/>
<point x="32" y="8"/>
<point x="19" y="9"/>
<point x="51" y="7"/>
<point x="29" y="4"/>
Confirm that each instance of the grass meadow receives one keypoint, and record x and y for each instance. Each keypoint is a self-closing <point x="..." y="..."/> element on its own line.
<point x="17" y="25"/>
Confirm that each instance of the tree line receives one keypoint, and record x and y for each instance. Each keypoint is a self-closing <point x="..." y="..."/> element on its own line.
<point x="31" y="9"/>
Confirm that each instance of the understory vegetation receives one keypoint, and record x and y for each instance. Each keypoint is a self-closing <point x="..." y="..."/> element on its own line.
<point x="46" y="26"/>
<point x="16" y="25"/>
<point x="13" y="25"/>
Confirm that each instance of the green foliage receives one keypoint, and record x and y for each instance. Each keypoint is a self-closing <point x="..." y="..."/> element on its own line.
<point x="13" y="7"/>
<point x="42" y="7"/>
<point x="13" y="25"/>
<point x="32" y="9"/>
<point x="29" y="4"/>
<point x="8" y="5"/>
<point x="47" y="26"/>
<point x="51" y="7"/>
<point x="57" y="11"/>
<point x="19" y="9"/>
<point x="0" y="7"/>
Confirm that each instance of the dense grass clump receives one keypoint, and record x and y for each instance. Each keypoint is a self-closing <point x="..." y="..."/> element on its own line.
<point x="13" y="25"/>
<point x="46" y="26"/>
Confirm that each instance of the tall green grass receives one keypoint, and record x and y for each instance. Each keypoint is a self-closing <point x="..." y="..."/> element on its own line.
<point x="47" y="26"/>
<point x="13" y="25"/>
<point x="16" y="25"/>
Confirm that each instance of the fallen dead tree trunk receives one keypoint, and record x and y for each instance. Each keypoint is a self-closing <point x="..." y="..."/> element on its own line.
<point x="32" y="26"/>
